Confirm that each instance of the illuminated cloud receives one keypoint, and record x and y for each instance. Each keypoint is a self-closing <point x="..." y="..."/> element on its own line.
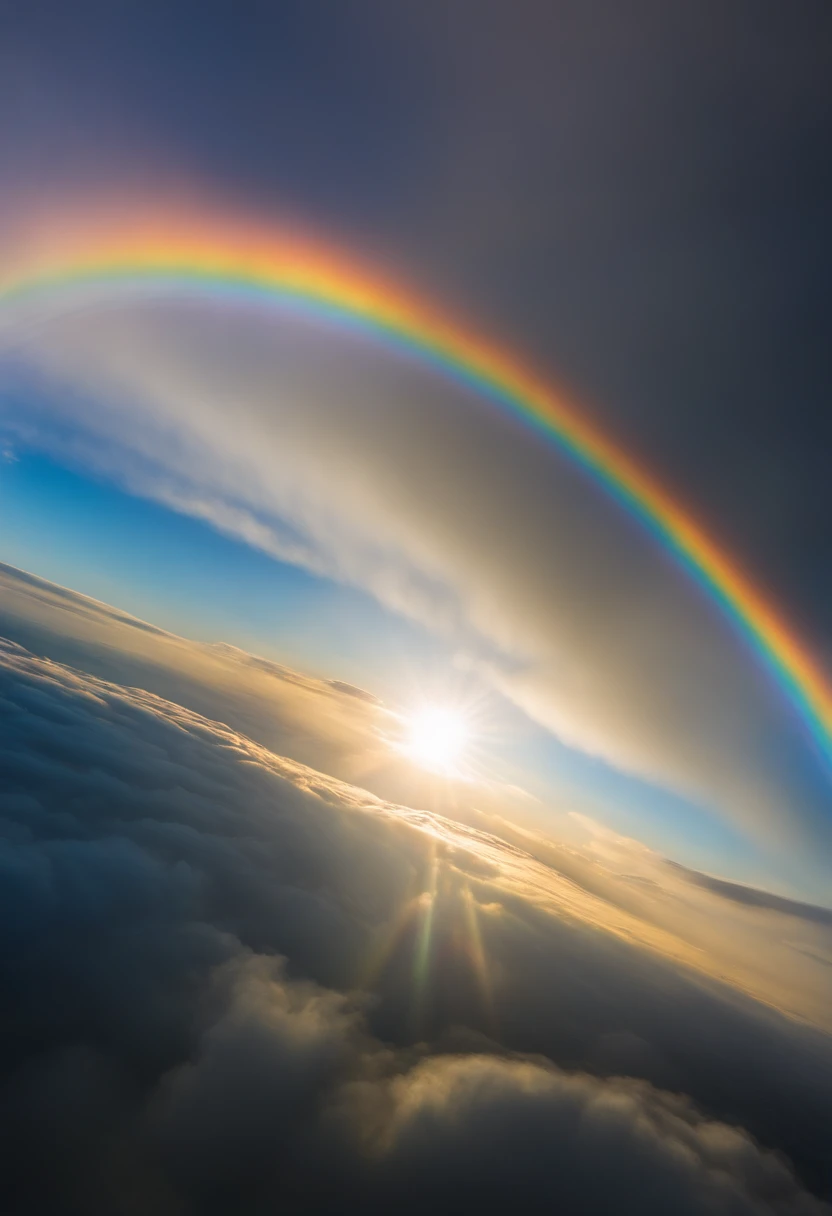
<point x="778" y="949"/>
<point x="157" y="864"/>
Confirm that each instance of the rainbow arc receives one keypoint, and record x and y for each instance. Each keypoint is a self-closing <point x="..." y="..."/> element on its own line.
<point x="227" y="260"/>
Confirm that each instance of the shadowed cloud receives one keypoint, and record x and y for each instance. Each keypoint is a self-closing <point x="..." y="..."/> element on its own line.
<point x="158" y="866"/>
<point x="753" y="898"/>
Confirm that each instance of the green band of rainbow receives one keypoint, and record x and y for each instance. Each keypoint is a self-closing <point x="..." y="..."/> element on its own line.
<point x="224" y="262"/>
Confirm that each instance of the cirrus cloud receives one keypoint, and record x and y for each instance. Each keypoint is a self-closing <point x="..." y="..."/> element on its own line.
<point x="324" y="454"/>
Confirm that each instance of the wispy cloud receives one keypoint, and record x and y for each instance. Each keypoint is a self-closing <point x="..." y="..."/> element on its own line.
<point x="371" y="473"/>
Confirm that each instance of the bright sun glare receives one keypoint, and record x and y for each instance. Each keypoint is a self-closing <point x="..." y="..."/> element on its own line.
<point x="437" y="738"/>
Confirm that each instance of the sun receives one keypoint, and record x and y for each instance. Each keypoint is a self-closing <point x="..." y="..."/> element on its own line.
<point x="436" y="738"/>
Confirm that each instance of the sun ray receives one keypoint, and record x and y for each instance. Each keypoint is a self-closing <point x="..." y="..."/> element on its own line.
<point x="478" y="956"/>
<point x="386" y="941"/>
<point x="422" y="949"/>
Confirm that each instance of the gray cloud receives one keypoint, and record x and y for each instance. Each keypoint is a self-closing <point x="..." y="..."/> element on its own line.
<point x="212" y="999"/>
<point x="754" y="898"/>
<point x="530" y="1136"/>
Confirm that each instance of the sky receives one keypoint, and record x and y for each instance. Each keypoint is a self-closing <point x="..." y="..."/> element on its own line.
<point x="633" y="203"/>
<point x="269" y="942"/>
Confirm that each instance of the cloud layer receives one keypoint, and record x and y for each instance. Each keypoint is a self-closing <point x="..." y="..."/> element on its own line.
<point x="232" y="983"/>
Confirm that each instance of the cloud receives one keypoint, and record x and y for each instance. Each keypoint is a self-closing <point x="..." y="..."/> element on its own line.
<point x="753" y="898"/>
<point x="208" y="965"/>
<point x="372" y="473"/>
<point x="327" y="724"/>
<point x="220" y="993"/>
<point x="604" y="878"/>
<point x="499" y="1134"/>
<point x="318" y="722"/>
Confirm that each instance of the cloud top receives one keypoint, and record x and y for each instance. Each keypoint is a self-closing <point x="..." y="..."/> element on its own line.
<point x="214" y="999"/>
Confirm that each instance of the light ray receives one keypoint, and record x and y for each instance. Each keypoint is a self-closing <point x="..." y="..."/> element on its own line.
<point x="478" y="957"/>
<point x="422" y="950"/>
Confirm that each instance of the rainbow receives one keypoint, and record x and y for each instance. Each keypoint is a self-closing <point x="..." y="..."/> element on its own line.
<point x="227" y="260"/>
